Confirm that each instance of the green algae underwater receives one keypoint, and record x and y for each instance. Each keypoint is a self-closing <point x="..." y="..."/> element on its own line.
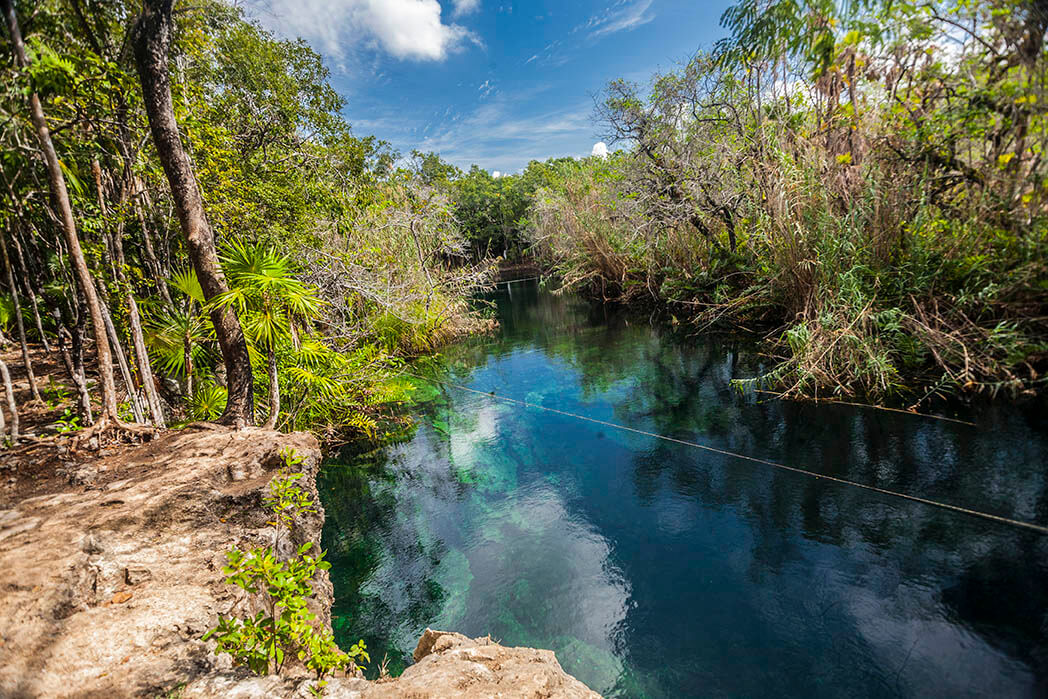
<point x="654" y="569"/>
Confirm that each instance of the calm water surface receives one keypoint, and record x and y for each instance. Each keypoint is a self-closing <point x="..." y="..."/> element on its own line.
<point x="660" y="570"/>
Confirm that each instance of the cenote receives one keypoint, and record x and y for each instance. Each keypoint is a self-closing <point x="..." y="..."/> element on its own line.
<point x="655" y="569"/>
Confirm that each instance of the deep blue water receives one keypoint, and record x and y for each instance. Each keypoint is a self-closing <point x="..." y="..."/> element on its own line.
<point x="655" y="569"/>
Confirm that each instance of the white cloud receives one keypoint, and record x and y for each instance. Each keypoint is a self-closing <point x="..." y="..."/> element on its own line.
<point x="623" y="15"/>
<point x="496" y="136"/>
<point x="496" y="174"/>
<point x="409" y="29"/>
<point x="464" y="7"/>
<point x="600" y="149"/>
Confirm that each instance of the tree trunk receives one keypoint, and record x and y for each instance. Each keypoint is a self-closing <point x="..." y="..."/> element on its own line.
<point x="77" y="348"/>
<point x="9" y="273"/>
<point x="121" y="360"/>
<point x="151" y="260"/>
<point x="31" y="291"/>
<point x="12" y="407"/>
<point x="3" y="423"/>
<point x="274" y="391"/>
<point x="145" y="370"/>
<point x="109" y="255"/>
<point x="159" y="224"/>
<point x="65" y="211"/>
<point x="152" y="38"/>
<point x="23" y="268"/>
<point x="75" y="370"/>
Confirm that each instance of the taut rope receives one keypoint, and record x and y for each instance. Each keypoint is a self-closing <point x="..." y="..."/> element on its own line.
<point x="843" y="481"/>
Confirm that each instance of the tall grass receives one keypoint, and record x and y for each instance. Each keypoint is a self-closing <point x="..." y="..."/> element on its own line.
<point x="885" y="243"/>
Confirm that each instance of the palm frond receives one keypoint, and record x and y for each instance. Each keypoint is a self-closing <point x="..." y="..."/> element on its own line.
<point x="185" y="280"/>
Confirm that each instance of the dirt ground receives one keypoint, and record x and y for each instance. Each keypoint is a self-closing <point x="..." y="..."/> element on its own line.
<point x="52" y="380"/>
<point x="109" y="583"/>
<point x="44" y="463"/>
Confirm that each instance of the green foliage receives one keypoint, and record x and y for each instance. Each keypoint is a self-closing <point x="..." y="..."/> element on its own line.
<point x="493" y="211"/>
<point x="180" y="337"/>
<point x="185" y="281"/>
<point x="285" y="499"/>
<point x="208" y="401"/>
<point x="322" y="240"/>
<point x="55" y="394"/>
<point x="69" y="422"/>
<point x="268" y="299"/>
<point x="284" y="628"/>
<point x="830" y="172"/>
<point x="7" y="312"/>
<point x="339" y="391"/>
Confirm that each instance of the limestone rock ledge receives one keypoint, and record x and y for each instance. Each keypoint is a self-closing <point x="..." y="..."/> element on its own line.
<point x="446" y="665"/>
<point x="108" y="586"/>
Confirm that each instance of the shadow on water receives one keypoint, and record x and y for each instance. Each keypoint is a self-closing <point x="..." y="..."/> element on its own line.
<point x="656" y="569"/>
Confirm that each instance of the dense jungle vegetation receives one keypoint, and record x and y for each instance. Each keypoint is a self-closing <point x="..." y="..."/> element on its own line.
<point x="863" y="183"/>
<point x="183" y="197"/>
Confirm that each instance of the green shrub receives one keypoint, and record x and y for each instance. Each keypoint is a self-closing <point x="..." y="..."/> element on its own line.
<point x="284" y="628"/>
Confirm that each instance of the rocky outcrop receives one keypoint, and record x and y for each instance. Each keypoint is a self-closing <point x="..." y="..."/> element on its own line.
<point x="451" y="665"/>
<point x="108" y="586"/>
<point x="446" y="665"/>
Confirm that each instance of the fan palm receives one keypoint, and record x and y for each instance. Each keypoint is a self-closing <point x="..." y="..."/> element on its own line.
<point x="178" y="337"/>
<point x="269" y="301"/>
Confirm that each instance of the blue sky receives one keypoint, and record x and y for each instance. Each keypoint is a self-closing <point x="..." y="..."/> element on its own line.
<point x="491" y="82"/>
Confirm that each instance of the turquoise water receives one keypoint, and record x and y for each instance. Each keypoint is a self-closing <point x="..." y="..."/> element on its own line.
<point x="655" y="569"/>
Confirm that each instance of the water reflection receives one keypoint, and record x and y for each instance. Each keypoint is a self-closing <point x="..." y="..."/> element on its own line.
<point x="655" y="569"/>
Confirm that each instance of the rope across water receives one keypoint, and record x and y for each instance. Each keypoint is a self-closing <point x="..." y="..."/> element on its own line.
<point x="1040" y="529"/>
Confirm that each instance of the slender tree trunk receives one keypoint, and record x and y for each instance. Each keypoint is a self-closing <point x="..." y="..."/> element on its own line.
<point x="31" y="291"/>
<point x="29" y="285"/>
<point x="12" y="407"/>
<point x="76" y="374"/>
<point x="274" y="390"/>
<point x="3" y="424"/>
<point x="149" y="208"/>
<point x="74" y="302"/>
<point x="77" y="347"/>
<point x="152" y="38"/>
<point x="110" y="255"/>
<point x="65" y="211"/>
<point x="145" y="370"/>
<point x="138" y="341"/>
<point x="151" y="260"/>
<point x="121" y="360"/>
<point x="33" y="389"/>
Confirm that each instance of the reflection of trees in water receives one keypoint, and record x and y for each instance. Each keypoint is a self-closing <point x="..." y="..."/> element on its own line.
<point x="986" y="577"/>
<point x="1003" y="596"/>
<point x="999" y="591"/>
<point x="682" y="389"/>
<point x="365" y="530"/>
